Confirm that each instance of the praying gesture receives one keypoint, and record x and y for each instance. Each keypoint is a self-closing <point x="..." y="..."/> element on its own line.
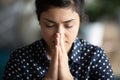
<point x="59" y="68"/>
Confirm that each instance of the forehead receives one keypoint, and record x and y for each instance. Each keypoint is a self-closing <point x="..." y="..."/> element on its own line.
<point x="60" y="14"/>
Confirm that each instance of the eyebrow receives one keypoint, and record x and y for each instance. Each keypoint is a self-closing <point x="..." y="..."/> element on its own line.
<point x="51" y="21"/>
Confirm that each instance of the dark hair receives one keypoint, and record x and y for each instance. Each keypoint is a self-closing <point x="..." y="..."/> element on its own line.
<point x="44" y="5"/>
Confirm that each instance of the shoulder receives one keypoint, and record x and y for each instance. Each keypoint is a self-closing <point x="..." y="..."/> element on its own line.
<point x="21" y="59"/>
<point x="22" y="55"/>
<point x="26" y="50"/>
<point x="84" y="51"/>
<point x="88" y="47"/>
<point x="95" y="54"/>
<point x="90" y="51"/>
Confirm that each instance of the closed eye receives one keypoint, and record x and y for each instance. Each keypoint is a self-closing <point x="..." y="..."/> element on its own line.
<point x="48" y="26"/>
<point x="68" y="26"/>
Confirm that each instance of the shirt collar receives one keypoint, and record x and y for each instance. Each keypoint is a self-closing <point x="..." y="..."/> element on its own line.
<point x="75" y="54"/>
<point x="42" y="50"/>
<point x="76" y="50"/>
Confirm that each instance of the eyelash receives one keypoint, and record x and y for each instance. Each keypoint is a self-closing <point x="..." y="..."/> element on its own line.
<point x="53" y="26"/>
<point x="50" y="26"/>
<point x="68" y="26"/>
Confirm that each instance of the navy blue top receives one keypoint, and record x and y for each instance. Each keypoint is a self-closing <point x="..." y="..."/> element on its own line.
<point x="86" y="62"/>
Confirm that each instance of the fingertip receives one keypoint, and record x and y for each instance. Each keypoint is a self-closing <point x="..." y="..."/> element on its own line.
<point x="55" y="46"/>
<point x="57" y="34"/>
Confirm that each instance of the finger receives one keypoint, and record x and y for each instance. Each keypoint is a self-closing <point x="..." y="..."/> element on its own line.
<point x="55" y="50"/>
<point x="53" y="69"/>
<point x="57" y="45"/>
<point x="62" y="43"/>
<point x="58" y="39"/>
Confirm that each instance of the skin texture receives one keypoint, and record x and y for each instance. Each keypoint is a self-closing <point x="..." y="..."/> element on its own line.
<point x="59" y="27"/>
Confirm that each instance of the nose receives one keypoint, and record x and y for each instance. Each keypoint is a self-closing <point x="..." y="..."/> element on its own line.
<point x="60" y="29"/>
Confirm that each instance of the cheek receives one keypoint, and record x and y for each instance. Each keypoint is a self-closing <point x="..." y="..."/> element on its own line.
<point x="47" y="34"/>
<point x="74" y="32"/>
<point x="71" y="35"/>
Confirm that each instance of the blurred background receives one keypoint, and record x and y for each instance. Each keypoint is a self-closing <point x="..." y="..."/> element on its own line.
<point x="19" y="27"/>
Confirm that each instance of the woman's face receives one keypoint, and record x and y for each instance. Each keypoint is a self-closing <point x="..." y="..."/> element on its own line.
<point x="59" y="20"/>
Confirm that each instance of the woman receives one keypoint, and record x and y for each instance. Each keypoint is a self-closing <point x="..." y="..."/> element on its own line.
<point x="59" y="55"/>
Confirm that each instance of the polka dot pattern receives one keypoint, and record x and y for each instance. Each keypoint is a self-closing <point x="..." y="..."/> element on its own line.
<point x="86" y="62"/>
